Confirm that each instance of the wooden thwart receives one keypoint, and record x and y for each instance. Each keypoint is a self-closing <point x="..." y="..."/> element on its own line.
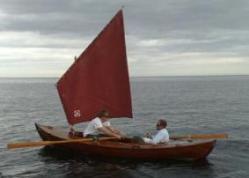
<point x="45" y="143"/>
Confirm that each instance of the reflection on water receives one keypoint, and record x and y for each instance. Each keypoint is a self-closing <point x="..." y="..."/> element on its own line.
<point x="73" y="164"/>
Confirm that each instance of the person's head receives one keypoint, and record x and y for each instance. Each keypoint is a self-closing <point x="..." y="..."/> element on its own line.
<point x="103" y="115"/>
<point x="161" y="124"/>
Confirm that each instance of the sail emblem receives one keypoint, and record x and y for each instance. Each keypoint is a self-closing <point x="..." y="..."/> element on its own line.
<point x="76" y="113"/>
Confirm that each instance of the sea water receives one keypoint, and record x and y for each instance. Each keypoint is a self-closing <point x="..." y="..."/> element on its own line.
<point x="215" y="104"/>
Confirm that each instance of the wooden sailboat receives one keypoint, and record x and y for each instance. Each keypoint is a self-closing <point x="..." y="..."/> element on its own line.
<point x="99" y="80"/>
<point x="187" y="150"/>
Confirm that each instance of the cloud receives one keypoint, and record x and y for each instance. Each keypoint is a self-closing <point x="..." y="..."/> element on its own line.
<point x="160" y="34"/>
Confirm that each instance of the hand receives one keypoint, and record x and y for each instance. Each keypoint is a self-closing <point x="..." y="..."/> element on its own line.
<point x="148" y="135"/>
<point x="118" y="136"/>
<point x="119" y="133"/>
<point x="116" y="131"/>
<point x="123" y="135"/>
<point x="71" y="129"/>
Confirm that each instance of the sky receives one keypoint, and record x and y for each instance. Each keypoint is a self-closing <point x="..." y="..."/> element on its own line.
<point x="39" y="38"/>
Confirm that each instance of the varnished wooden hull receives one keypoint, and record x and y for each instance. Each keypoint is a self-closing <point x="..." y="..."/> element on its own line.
<point x="190" y="150"/>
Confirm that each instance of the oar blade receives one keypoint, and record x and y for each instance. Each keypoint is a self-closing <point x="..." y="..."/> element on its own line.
<point x="210" y="136"/>
<point x="28" y="144"/>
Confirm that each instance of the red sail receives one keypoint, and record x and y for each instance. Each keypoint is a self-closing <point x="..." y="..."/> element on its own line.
<point x="99" y="78"/>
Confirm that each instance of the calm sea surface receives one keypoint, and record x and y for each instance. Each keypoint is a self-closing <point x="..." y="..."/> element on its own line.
<point x="190" y="104"/>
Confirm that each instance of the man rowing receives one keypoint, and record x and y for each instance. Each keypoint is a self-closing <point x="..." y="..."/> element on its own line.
<point x="101" y="126"/>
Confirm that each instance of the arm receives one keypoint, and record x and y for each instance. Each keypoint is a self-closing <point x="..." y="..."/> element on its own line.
<point x="71" y="129"/>
<point x="108" y="132"/>
<point x="155" y="140"/>
<point x="161" y="137"/>
<point x="148" y="140"/>
<point x="116" y="131"/>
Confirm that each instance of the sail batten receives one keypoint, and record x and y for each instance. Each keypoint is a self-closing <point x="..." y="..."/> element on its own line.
<point x="99" y="78"/>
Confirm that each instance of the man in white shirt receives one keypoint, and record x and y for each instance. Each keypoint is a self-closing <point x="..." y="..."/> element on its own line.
<point x="101" y="125"/>
<point x="162" y="136"/>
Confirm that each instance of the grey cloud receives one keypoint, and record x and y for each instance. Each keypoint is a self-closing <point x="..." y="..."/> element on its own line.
<point x="55" y="16"/>
<point x="218" y="27"/>
<point x="153" y="18"/>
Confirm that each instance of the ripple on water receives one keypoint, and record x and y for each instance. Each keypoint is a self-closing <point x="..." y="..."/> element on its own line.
<point x="191" y="105"/>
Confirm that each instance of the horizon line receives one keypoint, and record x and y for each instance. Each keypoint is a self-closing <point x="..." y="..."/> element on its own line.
<point x="156" y="76"/>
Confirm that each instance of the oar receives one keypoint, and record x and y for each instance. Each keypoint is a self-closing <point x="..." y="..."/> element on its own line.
<point x="45" y="143"/>
<point x="202" y="136"/>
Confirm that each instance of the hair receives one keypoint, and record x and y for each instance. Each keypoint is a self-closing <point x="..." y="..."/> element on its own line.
<point x="163" y="123"/>
<point x="103" y="113"/>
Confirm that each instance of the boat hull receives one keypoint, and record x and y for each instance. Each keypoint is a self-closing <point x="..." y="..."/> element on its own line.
<point x="187" y="150"/>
